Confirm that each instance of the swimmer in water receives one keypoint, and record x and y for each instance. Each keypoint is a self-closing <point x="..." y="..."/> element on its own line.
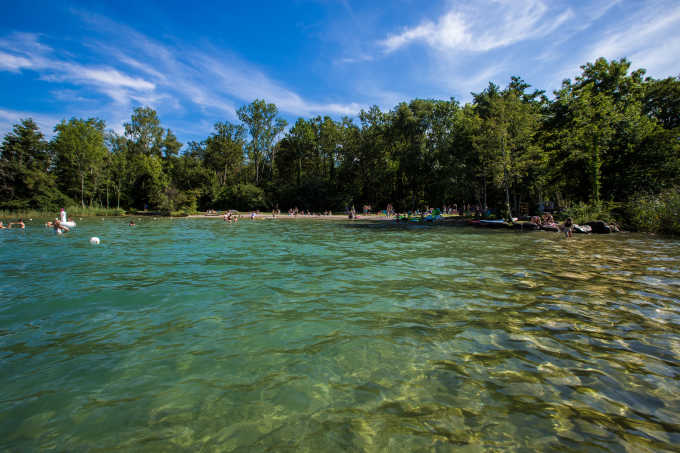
<point x="2" y="227"/>
<point x="132" y="223"/>
<point x="19" y="224"/>
<point x="59" y="228"/>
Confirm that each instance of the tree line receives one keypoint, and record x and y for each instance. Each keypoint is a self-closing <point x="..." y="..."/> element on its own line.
<point x="610" y="134"/>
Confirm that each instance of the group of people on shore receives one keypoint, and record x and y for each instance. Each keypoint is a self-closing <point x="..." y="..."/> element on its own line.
<point x="547" y="222"/>
<point x="545" y="219"/>
<point x="294" y="212"/>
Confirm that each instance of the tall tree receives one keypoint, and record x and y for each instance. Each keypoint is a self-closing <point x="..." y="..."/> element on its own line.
<point x="171" y="145"/>
<point x="264" y="126"/>
<point x="662" y="101"/>
<point x="26" y="162"/>
<point x="117" y="164"/>
<point x="145" y="149"/>
<point x="144" y="132"/>
<point x="224" y="150"/>
<point x="80" y="152"/>
<point x="509" y="122"/>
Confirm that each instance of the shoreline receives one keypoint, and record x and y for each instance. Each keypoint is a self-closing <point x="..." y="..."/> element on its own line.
<point x="371" y="218"/>
<point x="375" y="219"/>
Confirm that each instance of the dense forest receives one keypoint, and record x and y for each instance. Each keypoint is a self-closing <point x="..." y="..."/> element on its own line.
<point x="610" y="135"/>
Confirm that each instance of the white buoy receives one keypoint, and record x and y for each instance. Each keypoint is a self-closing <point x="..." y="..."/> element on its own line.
<point x="94" y="240"/>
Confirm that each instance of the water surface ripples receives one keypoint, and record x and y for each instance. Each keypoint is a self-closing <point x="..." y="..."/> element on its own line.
<point x="195" y="335"/>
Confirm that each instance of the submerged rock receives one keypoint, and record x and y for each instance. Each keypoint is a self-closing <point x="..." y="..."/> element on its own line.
<point x="599" y="227"/>
<point x="526" y="226"/>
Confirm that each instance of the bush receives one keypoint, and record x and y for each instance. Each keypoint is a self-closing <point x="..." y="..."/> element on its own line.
<point x="584" y="212"/>
<point x="94" y="211"/>
<point x="244" y="197"/>
<point x="655" y="213"/>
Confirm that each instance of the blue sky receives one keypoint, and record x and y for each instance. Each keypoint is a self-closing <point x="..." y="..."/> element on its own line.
<point x="196" y="64"/>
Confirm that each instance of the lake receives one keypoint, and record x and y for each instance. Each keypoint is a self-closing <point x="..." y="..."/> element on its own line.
<point x="305" y="335"/>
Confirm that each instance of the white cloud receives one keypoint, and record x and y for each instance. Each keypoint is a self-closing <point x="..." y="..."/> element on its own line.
<point x="111" y="77"/>
<point x="359" y="59"/>
<point x="486" y="26"/>
<point x="13" y="63"/>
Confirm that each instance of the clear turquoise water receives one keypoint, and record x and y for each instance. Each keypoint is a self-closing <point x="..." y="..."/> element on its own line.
<point x="195" y="335"/>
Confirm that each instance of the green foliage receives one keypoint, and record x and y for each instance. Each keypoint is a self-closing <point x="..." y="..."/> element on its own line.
<point x="656" y="213"/>
<point x="72" y="210"/>
<point x="509" y="121"/>
<point x="243" y="197"/>
<point x="223" y="151"/>
<point x="80" y="157"/>
<point x="25" y="178"/>
<point x="582" y="213"/>
<point x="264" y="126"/>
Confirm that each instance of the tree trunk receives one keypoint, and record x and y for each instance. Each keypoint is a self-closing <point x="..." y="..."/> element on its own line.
<point x="299" y="172"/>
<point x="596" y="171"/>
<point x="484" y="190"/>
<point x="82" y="189"/>
<point x="506" y="183"/>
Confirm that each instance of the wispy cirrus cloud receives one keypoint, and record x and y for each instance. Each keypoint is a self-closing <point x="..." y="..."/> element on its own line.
<point x="129" y="68"/>
<point x="24" y="51"/>
<point x="649" y="38"/>
<point x="597" y="10"/>
<point x="644" y="34"/>
<point x="481" y="28"/>
<point x="45" y="122"/>
<point x="207" y="77"/>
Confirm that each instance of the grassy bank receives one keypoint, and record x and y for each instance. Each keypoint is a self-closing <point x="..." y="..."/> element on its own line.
<point x="73" y="211"/>
<point x="583" y="213"/>
<point x="655" y="213"/>
<point x="646" y="213"/>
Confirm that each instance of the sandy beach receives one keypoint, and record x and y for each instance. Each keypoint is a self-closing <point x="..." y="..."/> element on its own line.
<point x="268" y="216"/>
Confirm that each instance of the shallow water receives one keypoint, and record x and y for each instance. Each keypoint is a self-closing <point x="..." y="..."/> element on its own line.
<point x="329" y="336"/>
